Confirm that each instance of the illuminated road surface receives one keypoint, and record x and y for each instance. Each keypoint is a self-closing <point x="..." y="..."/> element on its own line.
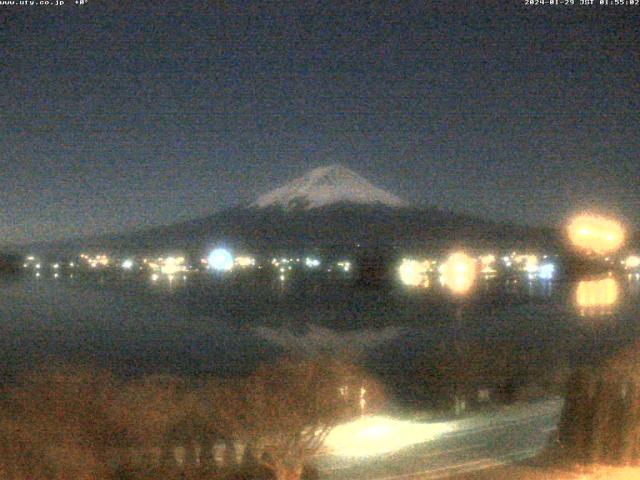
<point x="474" y="443"/>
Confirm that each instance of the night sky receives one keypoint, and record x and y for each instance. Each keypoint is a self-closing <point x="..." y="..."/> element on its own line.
<point x="117" y="115"/>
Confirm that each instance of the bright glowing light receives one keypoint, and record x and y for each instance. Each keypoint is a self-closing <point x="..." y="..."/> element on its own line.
<point x="594" y="233"/>
<point x="220" y="260"/>
<point x="56" y="275"/>
<point x="31" y="258"/>
<point x="154" y="277"/>
<point x="38" y="274"/>
<point x="102" y="260"/>
<point x="172" y="265"/>
<point x="375" y="435"/>
<point x="546" y="271"/>
<point x="594" y="296"/>
<point x="413" y="273"/>
<point x="38" y="266"/>
<point x="632" y="262"/>
<point x="458" y="273"/>
<point x="345" y="265"/>
<point x="311" y="262"/>
<point x="56" y="266"/>
<point x="245" y="261"/>
<point x="127" y="264"/>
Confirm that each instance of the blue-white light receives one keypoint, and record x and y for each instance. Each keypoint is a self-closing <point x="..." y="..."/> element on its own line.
<point x="546" y="271"/>
<point x="312" y="262"/>
<point x="127" y="264"/>
<point x="220" y="260"/>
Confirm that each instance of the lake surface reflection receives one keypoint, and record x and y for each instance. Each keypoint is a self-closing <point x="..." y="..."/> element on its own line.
<point x="202" y="325"/>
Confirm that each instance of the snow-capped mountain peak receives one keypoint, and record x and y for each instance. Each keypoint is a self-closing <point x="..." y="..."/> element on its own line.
<point x="325" y="186"/>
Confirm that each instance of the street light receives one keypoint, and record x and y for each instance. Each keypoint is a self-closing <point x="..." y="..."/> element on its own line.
<point x="458" y="274"/>
<point x="413" y="273"/>
<point x="220" y="260"/>
<point x="632" y="262"/>
<point x="595" y="233"/>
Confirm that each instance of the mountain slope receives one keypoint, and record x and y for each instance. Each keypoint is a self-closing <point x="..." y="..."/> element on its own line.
<point x="335" y="227"/>
<point x="326" y="186"/>
<point x="329" y="207"/>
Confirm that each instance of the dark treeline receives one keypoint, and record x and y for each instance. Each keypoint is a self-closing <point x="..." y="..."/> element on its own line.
<point x="80" y="423"/>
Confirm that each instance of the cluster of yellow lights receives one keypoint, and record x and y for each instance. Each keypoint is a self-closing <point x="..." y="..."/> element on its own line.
<point x="458" y="273"/>
<point x="413" y="273"/>
<point x="594" y="296"/>
<point x="245" y="261"/>
<point x="167" y="266"/>
<point x="99" y="260"/>
<point x="172" y="265"/>
<point x="632" y="262"/>
<point x="595" y="233"/>
<point x="344" y="265"/>
<point x="487" y="262"/>
<point x="284" y="261"/>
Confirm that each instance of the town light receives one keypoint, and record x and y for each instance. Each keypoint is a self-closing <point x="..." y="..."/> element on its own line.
<point x="632" y="262"/>
<point x="311" y="262"/>
<point x="345" y="265"/>
<point x="172" y="265"/>
<point x="413" y="273"/>
<point x="530" y="263"/>
<point x="245" y="261"/>
<point x="220" y="259"/>
<point x="458" y="273"/>
<point x="127" y="264"/>
<point x="595" y="233"/>
<point x="487" y="259"/>
<point x="546" y="271"/>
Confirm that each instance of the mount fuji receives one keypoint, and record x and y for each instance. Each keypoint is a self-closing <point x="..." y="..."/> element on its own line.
<point x="326" y="186"/>
<point x="329" y="207"/>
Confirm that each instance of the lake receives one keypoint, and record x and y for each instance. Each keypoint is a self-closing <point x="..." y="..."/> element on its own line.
<point x="226" y="326"/>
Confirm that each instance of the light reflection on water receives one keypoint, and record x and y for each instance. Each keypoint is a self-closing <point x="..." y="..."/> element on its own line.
<point x="597" y="297"/>
<point x="204" y="324"/>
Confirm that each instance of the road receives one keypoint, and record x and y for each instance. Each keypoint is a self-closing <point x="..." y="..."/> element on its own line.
<point x="470" y="444"/>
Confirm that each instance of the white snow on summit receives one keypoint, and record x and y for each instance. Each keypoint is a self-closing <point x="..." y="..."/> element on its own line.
<point x="325" y="186"/>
